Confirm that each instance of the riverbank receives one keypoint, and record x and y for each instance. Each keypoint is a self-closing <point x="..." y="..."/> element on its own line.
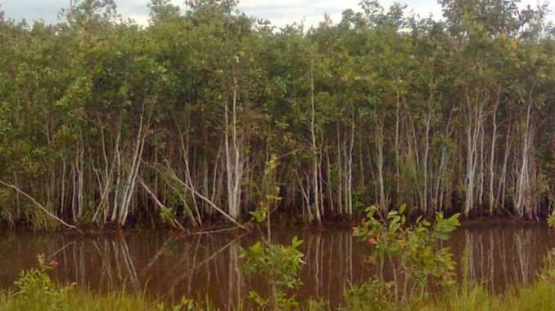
<point x="91" y="229"/>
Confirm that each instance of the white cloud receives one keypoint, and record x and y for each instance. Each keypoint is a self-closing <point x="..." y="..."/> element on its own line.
<point x="280" y="12"/>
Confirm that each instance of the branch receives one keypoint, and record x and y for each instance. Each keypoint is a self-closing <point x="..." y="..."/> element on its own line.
<point x="40" y="206"/>
<point x="205" y="199"/>
<point x="158" y="203"/>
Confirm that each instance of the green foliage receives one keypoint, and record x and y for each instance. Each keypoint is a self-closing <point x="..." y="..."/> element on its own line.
<point x="279" y="263"/>
<point x="551" y="221"/>
<point x="373" y="295"/>
<point x="260" y="215"/>
<point x="414" y="247"/>
<point x="167" y="214"/>
<point x="280" y="266"/>
<point x="37" y="291"/>
<point x="88" y="301"/>
<point x="396" y="99"/>
<point x="184" y="305"/>
<point x="268" y="192"/>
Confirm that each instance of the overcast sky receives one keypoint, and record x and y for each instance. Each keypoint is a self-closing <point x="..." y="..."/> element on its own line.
<point x="279" y="12"/>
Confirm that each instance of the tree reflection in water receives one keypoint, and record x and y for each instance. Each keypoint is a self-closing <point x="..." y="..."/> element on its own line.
<point x="200" y="266"/>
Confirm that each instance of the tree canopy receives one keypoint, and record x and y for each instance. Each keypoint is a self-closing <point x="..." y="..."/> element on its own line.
<point x="106" y="121"/>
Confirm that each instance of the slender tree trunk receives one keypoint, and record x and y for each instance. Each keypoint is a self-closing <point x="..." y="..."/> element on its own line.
<point x="380" y="164"/>
<point x="426" y="155"/>
<point x="523" y="187"/>
<point x="234" y="164"/>
<point x="350" y="165"/>
<point x="315" y="154"/>
<point x="491" y="202"/>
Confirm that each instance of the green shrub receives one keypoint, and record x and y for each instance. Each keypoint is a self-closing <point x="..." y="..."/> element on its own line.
<point x="280" y="266"/>
<point x="36" y="291"/>
<point x="413" y="250"/>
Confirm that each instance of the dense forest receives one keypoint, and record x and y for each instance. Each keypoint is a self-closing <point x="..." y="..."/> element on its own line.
<point x="207" y="114"/>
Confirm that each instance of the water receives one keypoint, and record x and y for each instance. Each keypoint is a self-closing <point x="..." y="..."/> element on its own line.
<point x="168" y="267"/>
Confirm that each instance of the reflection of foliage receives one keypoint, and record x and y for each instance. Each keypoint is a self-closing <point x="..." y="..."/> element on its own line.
<point x="280" y="265"/>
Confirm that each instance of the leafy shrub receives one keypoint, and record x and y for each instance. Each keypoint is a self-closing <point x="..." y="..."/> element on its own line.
<point x="280" y="266"/>
<point x="551" y="220"/>
<point x="36" y="291"/>
<point x="414" y="249"/>
<point x="374" y="295"/>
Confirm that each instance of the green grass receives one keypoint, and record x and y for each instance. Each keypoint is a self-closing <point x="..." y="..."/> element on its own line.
<point x="79" y="300"/>
<point x="538" y="297"/>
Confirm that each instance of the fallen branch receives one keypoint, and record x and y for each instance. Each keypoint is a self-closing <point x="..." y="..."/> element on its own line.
<point x="158" y="203"/>
<point x="40" y="206"/>
<point x="214" y="231"/>
<point x="205" y="199"/>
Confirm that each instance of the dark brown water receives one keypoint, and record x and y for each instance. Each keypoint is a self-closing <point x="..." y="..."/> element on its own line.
<point x="201" y="266"/>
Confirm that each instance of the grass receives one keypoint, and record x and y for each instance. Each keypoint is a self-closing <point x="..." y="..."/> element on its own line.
<point x="537" y="297"/>
<point x="79" y="300"/>
<point x="36" y="291"/>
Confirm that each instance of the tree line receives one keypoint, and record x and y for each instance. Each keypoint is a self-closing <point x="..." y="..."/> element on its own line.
<point x="209" y="114"/>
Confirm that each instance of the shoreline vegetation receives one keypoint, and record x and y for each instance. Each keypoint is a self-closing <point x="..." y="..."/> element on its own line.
<point x="537" y="297"/>
<point x="251" y="227"/>
<point x="207" y="120"/>
<point x="207" y="116"/>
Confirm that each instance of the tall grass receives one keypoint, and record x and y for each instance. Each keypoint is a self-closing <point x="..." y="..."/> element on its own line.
<point x="539" y="297"/>
<point x="80" y="300"/>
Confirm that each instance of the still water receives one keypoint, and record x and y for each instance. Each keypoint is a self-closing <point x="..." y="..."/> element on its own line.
<point x="168" y="267"/>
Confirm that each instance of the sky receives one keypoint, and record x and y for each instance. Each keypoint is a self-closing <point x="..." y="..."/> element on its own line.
<point x="279" y="12"/>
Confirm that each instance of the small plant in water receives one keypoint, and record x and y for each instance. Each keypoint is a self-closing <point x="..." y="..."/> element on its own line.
<point x="413" y="252"/>
<point x="280" y="266"/>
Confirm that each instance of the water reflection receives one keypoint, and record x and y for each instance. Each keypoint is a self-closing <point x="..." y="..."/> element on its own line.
<point x="201" y="266"/>
<point x="501" y="257"/>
